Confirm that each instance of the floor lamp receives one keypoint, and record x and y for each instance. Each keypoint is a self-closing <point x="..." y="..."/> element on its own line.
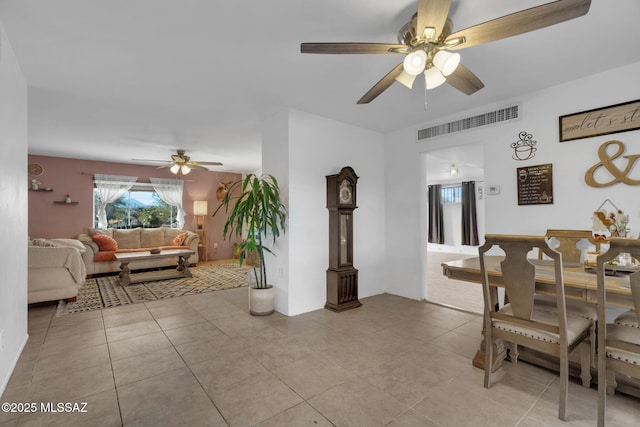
<point x="200" y="224"/>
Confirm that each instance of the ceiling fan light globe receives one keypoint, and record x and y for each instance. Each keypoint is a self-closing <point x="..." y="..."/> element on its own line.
<point x="175" y="168"/>
<point x="446" y="62"/>
<point x="433" y="78"/>
<point x="415" y="62"/>
<point x="406" y="79"/>
<point x="185" y="169"/>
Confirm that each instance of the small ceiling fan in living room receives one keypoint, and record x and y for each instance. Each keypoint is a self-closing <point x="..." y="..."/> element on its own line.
<point x="181" y="163"/>
<point x="427" y="41"/>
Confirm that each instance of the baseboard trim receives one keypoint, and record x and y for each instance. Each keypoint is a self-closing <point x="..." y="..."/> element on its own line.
<point x="5" y="381"/>
<point x="452" y="307"/>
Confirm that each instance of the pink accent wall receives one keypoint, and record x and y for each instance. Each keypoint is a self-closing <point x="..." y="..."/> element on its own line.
<point x="75" y="177"/>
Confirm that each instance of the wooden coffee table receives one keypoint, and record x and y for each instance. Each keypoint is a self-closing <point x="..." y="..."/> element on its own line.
<point x="126" y="277"/>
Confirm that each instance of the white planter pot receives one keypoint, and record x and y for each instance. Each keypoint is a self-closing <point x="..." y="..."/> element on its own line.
<point x="261" y="301"/>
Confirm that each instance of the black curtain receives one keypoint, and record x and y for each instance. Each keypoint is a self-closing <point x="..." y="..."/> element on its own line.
<point x="469" y="220"/>
<point x="436" y="226"/>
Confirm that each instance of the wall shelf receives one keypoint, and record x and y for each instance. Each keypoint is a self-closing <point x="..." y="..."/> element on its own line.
<point x="46" y="190"/>
<point x="64" y="203"/>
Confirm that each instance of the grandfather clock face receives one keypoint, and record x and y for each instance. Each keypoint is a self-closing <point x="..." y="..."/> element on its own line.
<point x="345" y="192"/>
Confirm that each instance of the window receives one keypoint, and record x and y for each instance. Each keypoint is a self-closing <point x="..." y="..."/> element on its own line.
<point x="451" y="194"/>
<point x="139" y="207"/>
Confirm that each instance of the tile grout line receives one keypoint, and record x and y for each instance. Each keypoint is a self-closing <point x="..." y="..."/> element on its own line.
<point x="189" y="367"/>
<point x="113" y="375"/>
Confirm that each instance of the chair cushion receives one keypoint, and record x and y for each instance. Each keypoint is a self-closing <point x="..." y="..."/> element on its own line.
<point x="575" y="326"/>
<point x="627" y="334"/>
<point x="628" y="318"/>
<point x="574" y="308"/>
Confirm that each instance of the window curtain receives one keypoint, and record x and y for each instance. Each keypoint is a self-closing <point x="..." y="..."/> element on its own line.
<point x="170" y="191"/>
<point x="469" y="220"/>
<point x="111" y="188"/>
<point x="436" y="225"/>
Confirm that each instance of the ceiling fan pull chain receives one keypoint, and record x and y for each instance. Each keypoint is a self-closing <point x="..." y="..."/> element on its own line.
<point x="425" y="98"/>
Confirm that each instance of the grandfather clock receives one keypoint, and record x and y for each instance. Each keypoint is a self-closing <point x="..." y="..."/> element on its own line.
<point x="342" y="277"/>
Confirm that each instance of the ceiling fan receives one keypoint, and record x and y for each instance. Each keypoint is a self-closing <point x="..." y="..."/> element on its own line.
<point x="182" y="163"/>
<point x="427" y="40"/>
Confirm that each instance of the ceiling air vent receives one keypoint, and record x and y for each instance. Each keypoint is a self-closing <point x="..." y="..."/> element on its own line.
<point x="497" y="116"/>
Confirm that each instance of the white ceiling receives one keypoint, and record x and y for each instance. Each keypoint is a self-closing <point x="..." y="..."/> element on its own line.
<point x="117" y="80"/>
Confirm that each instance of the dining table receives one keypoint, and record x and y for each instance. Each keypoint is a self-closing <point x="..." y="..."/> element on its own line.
<point x="580" y="283"/>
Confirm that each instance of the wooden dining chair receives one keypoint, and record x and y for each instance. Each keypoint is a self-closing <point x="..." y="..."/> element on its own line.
<point x="568" y="243"/>
<point x="618" y="342"/>
<point x="520" y="322"/>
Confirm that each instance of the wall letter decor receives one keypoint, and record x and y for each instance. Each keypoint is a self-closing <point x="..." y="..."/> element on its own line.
<point x="606" y="162"/>
<point x="600" y="121"/>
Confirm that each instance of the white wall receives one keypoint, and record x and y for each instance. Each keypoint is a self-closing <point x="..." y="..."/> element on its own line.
<point x="317" y="147"/>
<point x="574" y="201"/>
<point x="13" y="210"/>
<point x="275" y="161"/>
<point x="405" y="204"/>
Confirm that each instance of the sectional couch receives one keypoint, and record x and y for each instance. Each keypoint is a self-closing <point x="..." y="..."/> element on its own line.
<point x="55" y="269"/>
<point x="102" y="245"/>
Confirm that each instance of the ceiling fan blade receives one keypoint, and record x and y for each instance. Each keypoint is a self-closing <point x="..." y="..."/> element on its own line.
<point x="464" y="80"/>
<point x="149" y="160"/>
<point x="348" y="47"/>
<point x="520" y="22"/>
<point x="432" y="13"/>
<point x="381" y="86"/>
<point x="197" y="167"/>
<point x="208" y="163"/>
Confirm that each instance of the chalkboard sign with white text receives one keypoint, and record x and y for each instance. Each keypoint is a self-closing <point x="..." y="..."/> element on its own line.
<point x="535" y="185"/>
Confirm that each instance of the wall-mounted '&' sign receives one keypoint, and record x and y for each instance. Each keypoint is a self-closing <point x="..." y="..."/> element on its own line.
<point x="606" y="173"/>
<point x="535" y="185"/>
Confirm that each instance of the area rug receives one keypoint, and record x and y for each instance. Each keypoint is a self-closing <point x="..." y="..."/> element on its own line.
<point x="105" y="291"/>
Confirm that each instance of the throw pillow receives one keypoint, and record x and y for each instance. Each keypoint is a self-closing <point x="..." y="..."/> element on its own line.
<point x="177" y="241"/>
<point x="106" y="232"/>
<point x="72" y="243"/>
<point x="42" y="242"/>
<point x="105" y="243"/>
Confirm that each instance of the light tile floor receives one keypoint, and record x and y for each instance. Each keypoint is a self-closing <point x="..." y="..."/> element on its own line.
<point x="455" y="293"/>
<point x="202" y="360"/>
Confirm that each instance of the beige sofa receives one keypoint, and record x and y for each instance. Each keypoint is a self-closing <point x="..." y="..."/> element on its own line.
<point x="99" y="261"/>
<point x="55" y="269"/>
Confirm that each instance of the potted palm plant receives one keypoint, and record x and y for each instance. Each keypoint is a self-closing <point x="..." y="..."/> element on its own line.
<point x="259" y="211"/>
